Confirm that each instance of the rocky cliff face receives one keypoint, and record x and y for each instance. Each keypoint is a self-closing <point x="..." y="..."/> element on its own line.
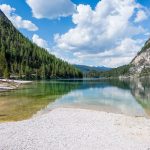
<point x="140" y="65"/>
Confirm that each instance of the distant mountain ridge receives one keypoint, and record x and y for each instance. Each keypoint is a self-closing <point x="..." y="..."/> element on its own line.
<point x="86" y="69"/>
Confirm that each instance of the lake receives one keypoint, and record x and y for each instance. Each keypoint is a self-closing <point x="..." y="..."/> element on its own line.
<point x="123" y="97"/>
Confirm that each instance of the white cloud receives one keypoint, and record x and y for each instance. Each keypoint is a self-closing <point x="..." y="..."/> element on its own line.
<point x="122" y="54"/>
<point x="17" y="20"/>
<point x="51" y="8"/>
<point x="39" y="41"/>
<point x="107" y="30"/>
<point x="141" y="16"/>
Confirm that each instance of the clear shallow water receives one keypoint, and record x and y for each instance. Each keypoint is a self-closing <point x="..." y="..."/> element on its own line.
<point x="127" y="97"/>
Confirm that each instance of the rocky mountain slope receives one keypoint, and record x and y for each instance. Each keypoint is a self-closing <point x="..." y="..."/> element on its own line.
<point x="140" y="65"/>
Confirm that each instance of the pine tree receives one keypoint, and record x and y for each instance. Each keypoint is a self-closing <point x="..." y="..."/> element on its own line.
<point x="2" y="63"/>
<point x="6" y="73"/>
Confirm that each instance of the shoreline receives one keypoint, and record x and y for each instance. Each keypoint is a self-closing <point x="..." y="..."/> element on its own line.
<point x="8" y="84"/>
<point x="69" y="128"/>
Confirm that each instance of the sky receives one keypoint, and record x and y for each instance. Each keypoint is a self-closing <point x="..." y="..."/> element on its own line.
<point x="87" y="32"/>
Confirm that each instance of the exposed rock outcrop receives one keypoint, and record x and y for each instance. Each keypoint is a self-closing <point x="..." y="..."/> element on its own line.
<point x="140" y="65"/>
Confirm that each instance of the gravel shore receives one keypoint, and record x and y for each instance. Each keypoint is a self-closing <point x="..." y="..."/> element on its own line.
<point x="7" y="84"/>
<point x="76" y="129"/>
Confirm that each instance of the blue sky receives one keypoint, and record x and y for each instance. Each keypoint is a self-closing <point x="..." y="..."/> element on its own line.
<point x="96" y="33"/>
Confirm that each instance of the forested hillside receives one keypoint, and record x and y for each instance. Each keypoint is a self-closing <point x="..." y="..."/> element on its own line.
<point x="20" y="58"/>
<point x="116" y="72"/>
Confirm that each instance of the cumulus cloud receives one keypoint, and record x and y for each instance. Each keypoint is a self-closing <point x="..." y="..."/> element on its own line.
<point x="51" y="9"/>
<point x="122" y="54"/>
<point x="17" y="21"/>
<point x="106" y="33"/>
<point x="39" y="41"/>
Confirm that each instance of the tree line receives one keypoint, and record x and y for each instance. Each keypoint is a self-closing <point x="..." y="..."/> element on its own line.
<point x="116" y="72"/>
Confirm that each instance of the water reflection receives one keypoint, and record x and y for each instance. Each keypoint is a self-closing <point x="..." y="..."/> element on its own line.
<point x="140" y="89"/>
<point x="131" y="97"/>
<point x="22" y="104"/>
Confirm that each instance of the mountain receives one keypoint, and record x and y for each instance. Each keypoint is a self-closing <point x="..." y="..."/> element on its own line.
<point x="20" y="58"/>
<point x="86" y="69"/>
<point x="140" y="65"/>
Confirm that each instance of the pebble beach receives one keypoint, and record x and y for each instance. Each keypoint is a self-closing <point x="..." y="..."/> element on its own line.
<point x="69" y="128"/>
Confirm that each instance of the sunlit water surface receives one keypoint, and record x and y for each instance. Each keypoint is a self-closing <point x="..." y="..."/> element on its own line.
<point x="125" y="97"/>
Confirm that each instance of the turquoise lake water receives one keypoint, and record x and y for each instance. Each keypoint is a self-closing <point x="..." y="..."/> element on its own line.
<point x="124" y="97"/>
